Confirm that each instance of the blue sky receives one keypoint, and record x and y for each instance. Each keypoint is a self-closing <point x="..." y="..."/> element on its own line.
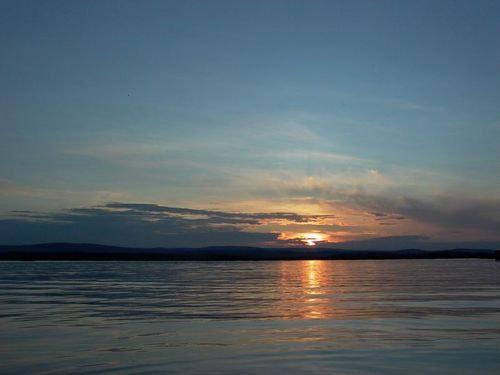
<point x="311" y="107"/>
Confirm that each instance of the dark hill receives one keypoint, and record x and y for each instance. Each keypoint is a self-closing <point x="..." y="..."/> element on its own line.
<point x="92" y="252"/>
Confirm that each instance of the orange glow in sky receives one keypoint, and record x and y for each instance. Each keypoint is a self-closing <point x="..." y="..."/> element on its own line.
<point x="308" y="239"/>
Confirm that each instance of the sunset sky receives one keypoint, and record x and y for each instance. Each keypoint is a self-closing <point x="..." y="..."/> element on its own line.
<point x="369" y="124"/>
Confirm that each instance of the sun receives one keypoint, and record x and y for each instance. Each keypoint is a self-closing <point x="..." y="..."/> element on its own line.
<point x="310" y="239"/>
<point x="304" y="238"/>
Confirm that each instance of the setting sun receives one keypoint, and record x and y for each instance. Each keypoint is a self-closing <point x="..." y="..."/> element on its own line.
<point x="310" y="239"/>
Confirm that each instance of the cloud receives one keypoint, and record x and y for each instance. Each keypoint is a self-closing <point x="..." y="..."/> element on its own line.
<point x="11" y="191"/>
<point x="217" y="215"/>
<point x="413" y="106"/>
<point x="144" y="225"/>
<point x="151" y="225"/>
<point x="317" y="156"/>
<point x="448" y="211"/>
<point x="455" y="212"/>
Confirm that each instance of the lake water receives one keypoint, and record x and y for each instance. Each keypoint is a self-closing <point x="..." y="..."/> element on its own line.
<point x="340" y="317"/>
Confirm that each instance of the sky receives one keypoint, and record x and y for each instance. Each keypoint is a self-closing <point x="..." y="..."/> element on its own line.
<point x="257" y="123"/>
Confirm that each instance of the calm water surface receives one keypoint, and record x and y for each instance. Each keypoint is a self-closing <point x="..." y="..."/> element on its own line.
<point x="343" y="317"/>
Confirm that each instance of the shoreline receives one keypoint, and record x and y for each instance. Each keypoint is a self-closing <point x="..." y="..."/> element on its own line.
<point x="93" y="252"/>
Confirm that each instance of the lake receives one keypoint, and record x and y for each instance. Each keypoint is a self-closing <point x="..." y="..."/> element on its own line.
<point x="340" y="317"/>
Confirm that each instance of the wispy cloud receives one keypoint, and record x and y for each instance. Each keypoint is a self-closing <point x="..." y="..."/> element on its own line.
<point x="11" y="190"/>
<point x="314" y="155"/>
<point x="413" y="106"/>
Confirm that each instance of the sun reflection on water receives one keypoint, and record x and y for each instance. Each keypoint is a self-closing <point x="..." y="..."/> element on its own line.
<point x="304" y="284"/>
<point x="312" y="282"/>
<point x="312" y="276"/>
